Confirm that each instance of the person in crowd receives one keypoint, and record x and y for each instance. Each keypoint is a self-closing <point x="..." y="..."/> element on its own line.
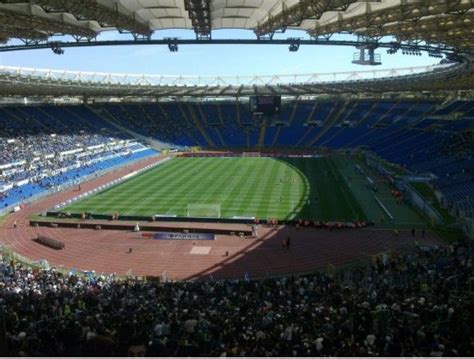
<point x="35" y="153"/>
<point x="416" y="303"/>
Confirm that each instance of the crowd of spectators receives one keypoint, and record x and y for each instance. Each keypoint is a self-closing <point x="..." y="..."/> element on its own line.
<point x="33" y="154"/>
<point x="26" y="148"/>
<point x="42" y="161"/>
<point x="38" y="134"/>
<point x="417" y="303"/>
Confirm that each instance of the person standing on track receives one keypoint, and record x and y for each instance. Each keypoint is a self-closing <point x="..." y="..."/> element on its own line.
<point x="254" y="231"/>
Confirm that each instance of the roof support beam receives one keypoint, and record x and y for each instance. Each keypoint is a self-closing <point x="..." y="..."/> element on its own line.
<point x="290" y="89"/>
<point x="294" y="15"/>
<point x="453" y="29"/>
<point x="117" y="17"/>
<point x="7" y="33"/>
<point x="225" y="89"/>
<point x="29" y="21"/>
<point x="200" y="14"/>
<point x="373" y="18"/>
<point x="94" y="42"/>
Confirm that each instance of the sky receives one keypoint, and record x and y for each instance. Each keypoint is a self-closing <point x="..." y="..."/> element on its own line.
<point x="206" y="60"/>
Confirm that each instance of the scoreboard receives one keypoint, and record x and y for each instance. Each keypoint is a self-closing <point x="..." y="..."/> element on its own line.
<point x="265" y="105"/>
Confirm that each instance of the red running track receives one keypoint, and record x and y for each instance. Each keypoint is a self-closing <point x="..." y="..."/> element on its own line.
<point x="105" y="251"/>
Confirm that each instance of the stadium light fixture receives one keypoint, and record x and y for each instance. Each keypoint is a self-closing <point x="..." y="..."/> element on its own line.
<point x="294" y="44"/>
<point x="56" y="48"/>
<point x="173" y="45"/>
<point x="366" y="55"/>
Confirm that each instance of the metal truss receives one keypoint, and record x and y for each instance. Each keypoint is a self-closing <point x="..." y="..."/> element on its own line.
<point x="448" y="28"/>
<point x="200" y="14"/>
<point x="303" y="10"/>
<point x="202" y="81"/>
<point x="43" y="83"/>
<point x="28" y="24"/>
<point x="441" y="27"/>
<point x="118" y="17"/>
<point x="27" y="35"/>
<point x="377" y="17"/>
<point x="419" y="46"/>
<point x="448" y="22"/>
<point x="419" y="19"/>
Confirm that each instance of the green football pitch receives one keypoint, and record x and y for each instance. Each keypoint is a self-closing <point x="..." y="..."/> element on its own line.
<point x="280" y="188"/>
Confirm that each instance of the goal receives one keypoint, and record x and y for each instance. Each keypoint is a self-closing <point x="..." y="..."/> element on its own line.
<point x="202" y="210"/>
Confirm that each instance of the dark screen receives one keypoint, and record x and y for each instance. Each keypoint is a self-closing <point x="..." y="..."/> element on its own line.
<point x="267" y="105"/>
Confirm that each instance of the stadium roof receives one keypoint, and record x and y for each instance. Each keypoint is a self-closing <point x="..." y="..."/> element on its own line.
<point x="436" y="26"/>
<point x="434" y="21"/>
<point x="43" y="82"/>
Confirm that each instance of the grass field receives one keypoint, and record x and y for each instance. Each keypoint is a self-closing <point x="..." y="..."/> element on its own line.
<point x="260" y="187"/>
<point x="285" y="188"/>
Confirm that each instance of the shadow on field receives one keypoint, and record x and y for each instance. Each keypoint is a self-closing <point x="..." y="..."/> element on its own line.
<point x="310" y="248"/>
<point x="326" y="196"/>
<point x="301" y="210"/>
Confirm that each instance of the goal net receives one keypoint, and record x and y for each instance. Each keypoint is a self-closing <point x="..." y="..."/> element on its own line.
<point x="204" y="210"/>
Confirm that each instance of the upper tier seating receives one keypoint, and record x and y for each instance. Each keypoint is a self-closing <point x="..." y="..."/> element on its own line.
<point x="42" y="147"/>
<point x="422" y="136"/>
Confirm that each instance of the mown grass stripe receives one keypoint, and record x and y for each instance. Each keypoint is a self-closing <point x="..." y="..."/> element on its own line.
<point x="241" y="186"/>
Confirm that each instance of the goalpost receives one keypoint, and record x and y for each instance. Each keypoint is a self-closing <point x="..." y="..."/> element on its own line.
<point x="202" y="210"/>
